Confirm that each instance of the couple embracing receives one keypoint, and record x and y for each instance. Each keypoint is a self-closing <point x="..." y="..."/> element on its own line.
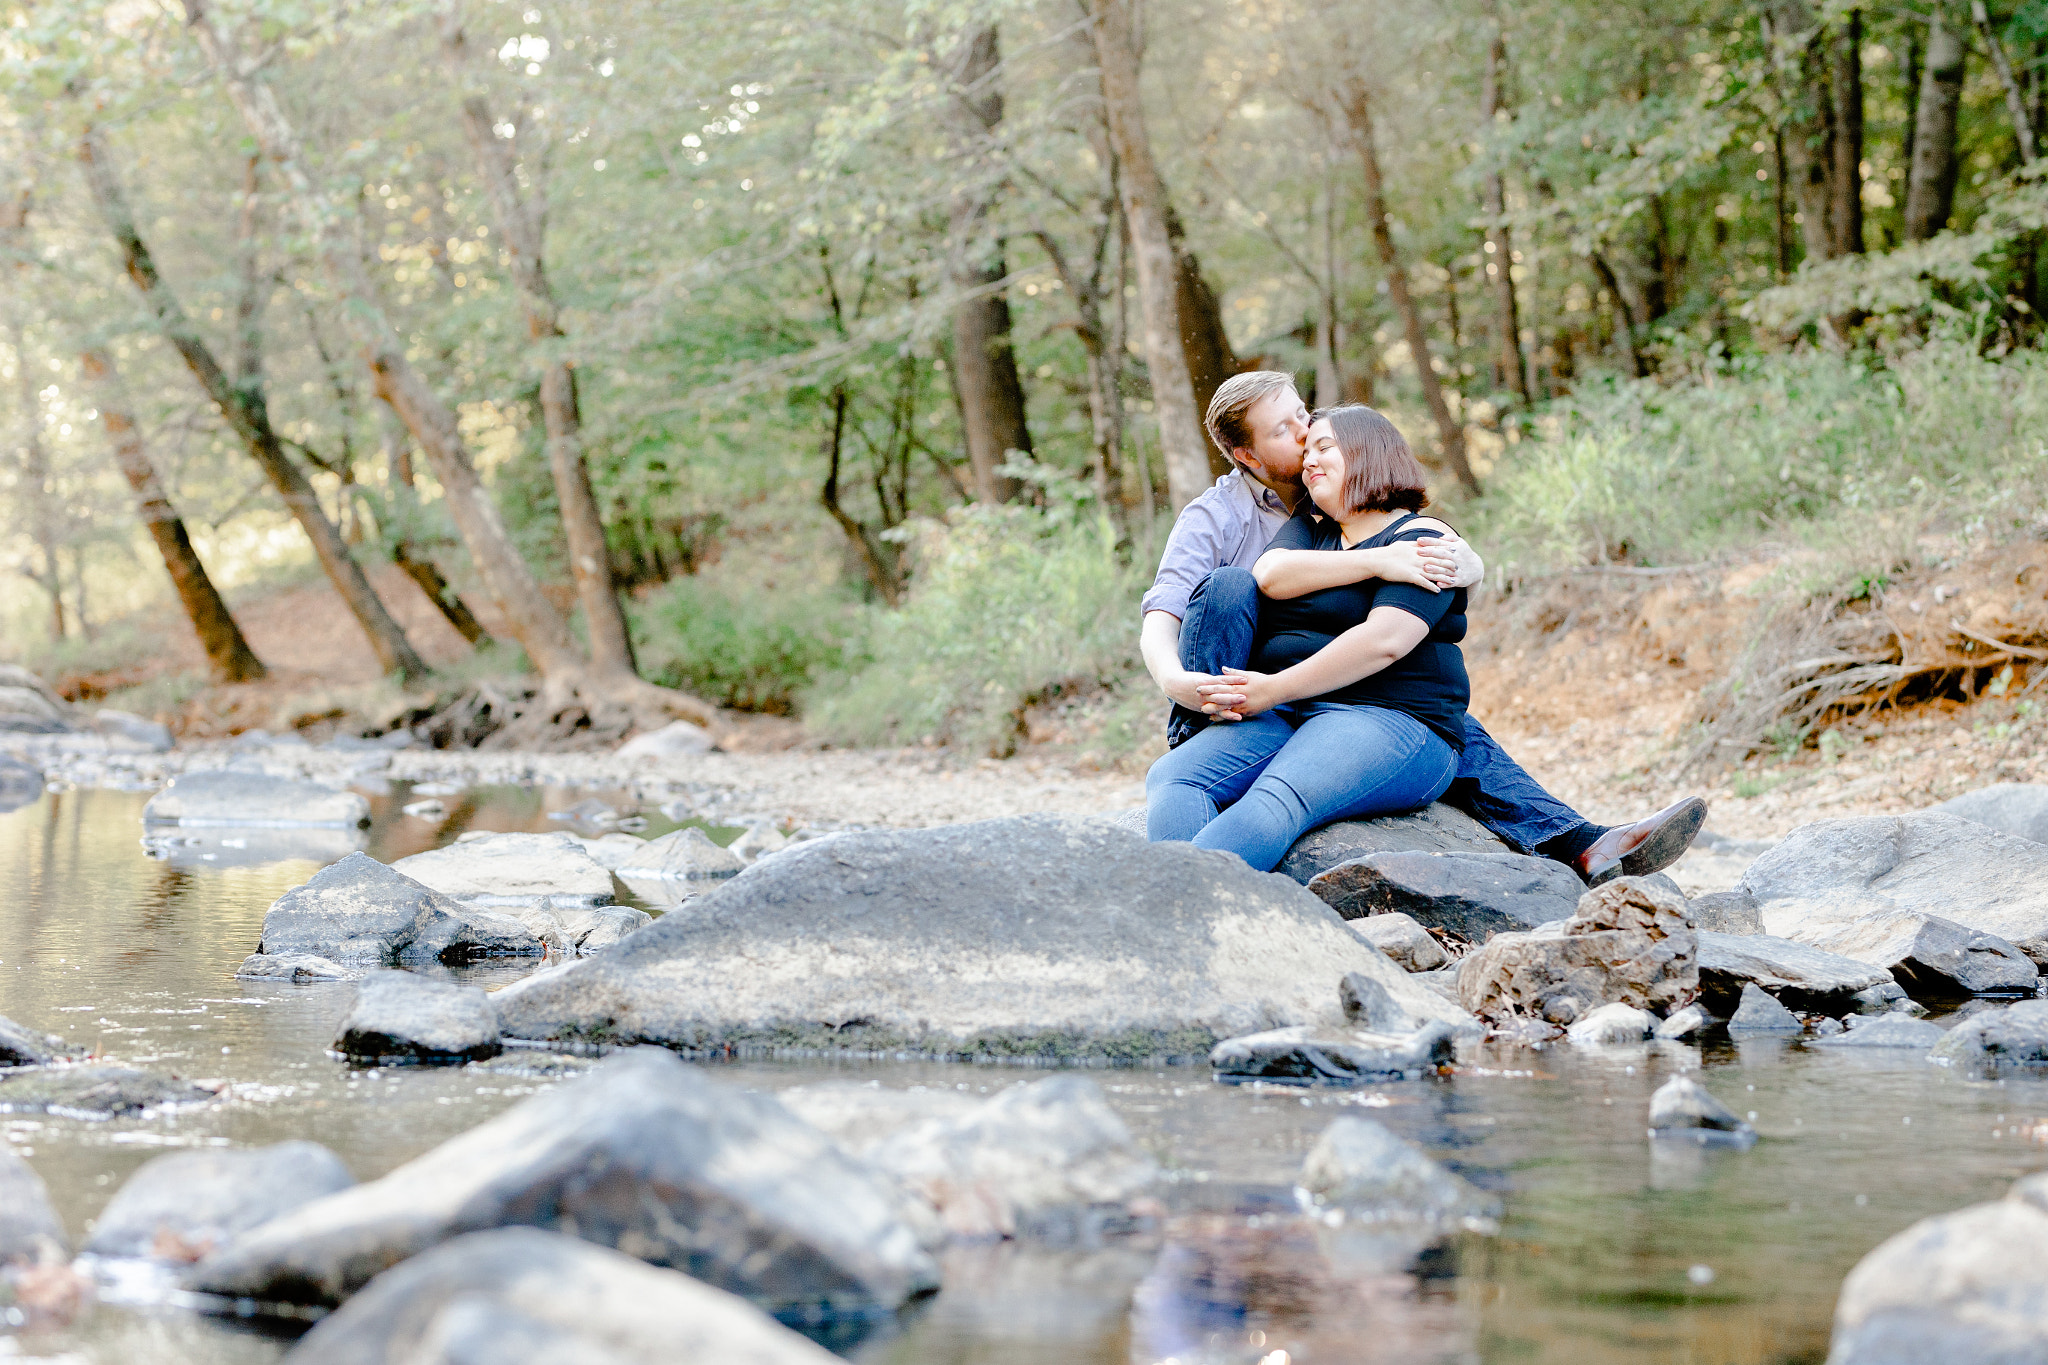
<point x="1305" y="622"/>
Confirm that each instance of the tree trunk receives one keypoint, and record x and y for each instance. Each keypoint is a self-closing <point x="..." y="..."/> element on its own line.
<point x="881" y="560"/>
<point x="1509" y="369"/>
<point x="1845" y="85"/>
<point x="1931" y="181"/>
<point x="1203" y="338"/>
<point x="228" y="656"/>
<point x="1808" y="125"/>
<point x="2015" y="98"/>
<point x="1357" y="109"/>
<point x="420" y="569"/>
<point x="1160" y="283"/>
<point x="984" y="370"/>
<point x="522" y="223"/>
<point x="1636" y="368"/>
<point x="35" y="472"/>
<point x="247" y="411"/>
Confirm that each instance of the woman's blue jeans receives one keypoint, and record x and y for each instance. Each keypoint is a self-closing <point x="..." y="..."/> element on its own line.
<point x="1255" y="786"/>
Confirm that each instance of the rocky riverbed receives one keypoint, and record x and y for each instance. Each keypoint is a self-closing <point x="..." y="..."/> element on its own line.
<point x="1022" y="1089"/>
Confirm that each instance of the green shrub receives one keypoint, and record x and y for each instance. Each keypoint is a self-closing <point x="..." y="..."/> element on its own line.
<point x="755" y="654"/>
<point x="1006" y="603"/>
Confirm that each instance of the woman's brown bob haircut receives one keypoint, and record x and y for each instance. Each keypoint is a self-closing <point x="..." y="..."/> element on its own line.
<point x="1380" y="472"/>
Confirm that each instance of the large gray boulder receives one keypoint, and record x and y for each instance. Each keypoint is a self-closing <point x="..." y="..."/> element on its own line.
<point x="1932" y="957"/>
<point x="513" y="869"/>
<point x="645" y="1153"/>
<point x="1963" y="1288"/>
<point x="1035" y="936"/>
<point x="2017" y="1034"/>
<point x="29" y="1228"/>
<point x="1800" y="975"/>
<point x="26" y="1047"/>
<point x="1436" y="828"/>
<point x="1358" y="1169"/>
<point x="1628" y="943"/>
<point x="401" y="1017"/>
<point x="2016" y="808"/>
<point x="96" y="1092"/>
<point x="358" y="910"/>
<point x="1827" y="875"/>
<point x="258" y="800"/>
<point x="1471" y="895"/>
<point x="1306" y="1053"/>
<point x="520" y="1296"/>
<point x="181" y="1205"/>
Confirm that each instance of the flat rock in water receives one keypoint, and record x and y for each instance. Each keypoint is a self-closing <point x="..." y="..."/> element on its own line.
<point x="95" y="1092"/>
<point x="1035" y="936"/>
<point x="358" y="910"/>
<point x="1412" y="947"/>
<point x="677" y="866"/>
<point x="1362" y="1170"/>
<point x="1612" y="1024"/>
<point x="26" y="1047"/>
<point x="1886" y="1030"/>
<point x="400" y="1017"/>
<point x="1682" y="1107"/>
<point x="181" y="1205"/>
<point x="1810" y="977"/>
<point x="258" y="800"/>
<point x="2016" y="1034"/>
<point x="1758" y="1011"/>
<point x="1049" y="1158"/>
<point x="1963" y="1288"/>
<point x="29" y="1227"/>
<point x="644" y="1152"/>
<point x="2016" y="808"/>
<point x="512" y="869"/>
<point x="1827" y="875"/>
<point x="1931" y="957"/>
<point x="1325" y="1056"/>
<point x="1472" y="895"/>
<point x="1436" y="828"/>
<point x="1725" y="912"/>
<point x="520" y="1296"/>
<point x="298" y="968"/>
<point x="1629" y="942"/>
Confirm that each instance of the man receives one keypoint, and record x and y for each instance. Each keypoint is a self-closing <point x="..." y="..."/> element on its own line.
<point x="1202" y="609"/>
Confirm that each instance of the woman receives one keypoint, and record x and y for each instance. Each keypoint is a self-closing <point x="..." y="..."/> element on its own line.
<point x="1354" y="703"/>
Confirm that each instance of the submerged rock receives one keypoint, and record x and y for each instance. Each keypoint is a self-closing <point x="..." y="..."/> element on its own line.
<point x="25" y="1047"/>
<point x="644" y="1152"/>
<point x="1412" y="947"/>
<point x="1827" y="875"/>
<point x="95" y="1092"/>
<point x="521" y="1296"/>
<point x="298" y="968"/>
<point x="1612" y="1024"/>
<point x="1963" y="1288"/>
<point x="400" y="1017"/>
<point x="181" y="1205"/>
<point x="2016" y="808"/>
<point x="1308" y="1053"/>
<point x="1436" y="828"/>
<point x="512" y="869"/>
<point x="1932" y="957"/>
<point x="358" y="910"/>
<point x="1886" y="1030"/>
<point x="254" y="799"/>
<point x="1683" y="1108"/>
<point x="1759" y="1012"/>
<point x="2016" y="1034"/>
<point x="1039" y="936"/>
<point x="1629" y="942"/>
<point x="29" y="1227"/>
<point x="1809" y="977"/>
<point x="1361" y="1170"/>
<point x="1472" y="895"/>
<point x="1048" y="1158"/>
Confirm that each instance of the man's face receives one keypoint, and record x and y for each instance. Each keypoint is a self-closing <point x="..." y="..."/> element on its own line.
<point x="1279" y="429"/>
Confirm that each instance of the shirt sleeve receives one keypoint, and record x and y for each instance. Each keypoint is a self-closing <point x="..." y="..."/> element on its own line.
<point x="1431" y="607"/>
<point x="1195" y="547"/>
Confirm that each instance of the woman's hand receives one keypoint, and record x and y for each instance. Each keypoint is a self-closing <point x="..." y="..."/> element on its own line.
<point x="1241" y="694"/>
<point x="1424" y="563"/>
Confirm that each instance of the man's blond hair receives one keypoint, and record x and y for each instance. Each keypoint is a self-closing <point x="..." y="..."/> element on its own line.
<point x="1234" y="398"/>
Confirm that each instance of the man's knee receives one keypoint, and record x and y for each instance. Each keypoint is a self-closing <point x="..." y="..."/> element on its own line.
<point x="1230" y="588"/>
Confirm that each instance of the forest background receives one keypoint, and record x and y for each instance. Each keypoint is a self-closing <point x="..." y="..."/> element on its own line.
<point x="845" y="360"/>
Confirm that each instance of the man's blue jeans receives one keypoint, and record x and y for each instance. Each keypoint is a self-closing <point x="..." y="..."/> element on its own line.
<point x="1255" y="786"/>
<point x="1216" y="634"/>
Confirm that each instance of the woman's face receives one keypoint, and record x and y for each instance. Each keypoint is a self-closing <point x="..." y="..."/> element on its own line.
<point x="1322" y="470"/>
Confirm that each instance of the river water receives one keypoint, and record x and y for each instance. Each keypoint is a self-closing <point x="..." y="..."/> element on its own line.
<point x="1609" y="1251"/>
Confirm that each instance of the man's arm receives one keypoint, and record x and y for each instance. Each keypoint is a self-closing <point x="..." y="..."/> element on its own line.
<point x="1159" y="643"/>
